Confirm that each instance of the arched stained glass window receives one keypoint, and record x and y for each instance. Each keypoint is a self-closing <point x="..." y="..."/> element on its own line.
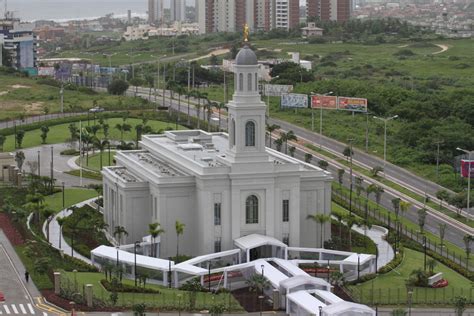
<point x="251" y="210"/>
<point x="249" y="134"/>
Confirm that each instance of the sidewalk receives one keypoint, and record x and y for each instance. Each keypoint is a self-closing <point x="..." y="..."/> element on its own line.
<point x="377" y="234"/>
<point x="18" y="265"/>
<point x="55" y="234"/>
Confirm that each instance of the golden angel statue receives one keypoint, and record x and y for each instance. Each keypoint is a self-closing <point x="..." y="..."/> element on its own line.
<point x="246" y="32"/>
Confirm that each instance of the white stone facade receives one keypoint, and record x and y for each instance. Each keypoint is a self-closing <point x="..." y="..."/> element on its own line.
<point x="221" y="186"/>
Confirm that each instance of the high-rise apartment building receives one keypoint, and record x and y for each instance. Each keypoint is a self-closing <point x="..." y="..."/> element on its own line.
<point x="19" y="41"/>
<point x="178" y="10"/>
<point x="155" y="11"/>
<point x="329" y="10"/>
<point x="232" y="15"/>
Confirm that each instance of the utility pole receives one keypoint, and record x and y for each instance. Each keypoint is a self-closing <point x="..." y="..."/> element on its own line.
<point x="385" y="120"/>
<point x="52" y="168"/>
<point x="350" y="175"/>
<point x="437" y="143"/>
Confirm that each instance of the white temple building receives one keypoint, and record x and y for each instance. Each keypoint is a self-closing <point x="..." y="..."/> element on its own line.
<point x="221" y="186"/>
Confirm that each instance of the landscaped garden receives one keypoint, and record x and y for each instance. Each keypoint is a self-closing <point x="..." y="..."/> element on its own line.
<point x="391" y="289"/>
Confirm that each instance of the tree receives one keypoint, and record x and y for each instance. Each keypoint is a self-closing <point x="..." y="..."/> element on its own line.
<point x="179" y="231"/>
<point x="321" y="219"/>
<point x="154" y="230"/>
<point x="292" y="150"/>
<point x="340" y="218"/>
<point x="460" y="303"/>
<point x="278" y="144"/>
<point x="44" y="133"/>
<point x="6" y="57"/>
<point x="270" y="129"/>
<point x="421" y="218"/>
<point x="139" y="309"/>
<point x="138" y="131"/>
<point x="286" y="137"/>
<point x="20" y="134"/>
<point x="378" y="194"/>
<point x="404" y="206"/>
<point x="118" y="87"/>
<point x="19" y="159"/>
<point x="351" y="221"/>
<point x="375" y="170"/>
<point x="467" y="245"/>
<point x="442" y="195"/>
<point x="431" y="263"/>
<point x="120" y="231"/>
<point x="442" y="230"/>
<point x="73" y="131"/>
<point x="101" y="145"/>
<point x="396" y="206"/>
<point x="257" y="283"/>
<point x="122" y="128"/>
<point x="48" y="216"/>
<point x="42" y="265"/>
<point x="213" y="60"/>
<point x="340" y="176"/>
<point x="220" y="107"/>
<point x="2" y="141"/>
<point x="136" y="82"/>
<point x="347" y="152"/>
<point x="323" y="164"/>
<point x="308" y="157"/>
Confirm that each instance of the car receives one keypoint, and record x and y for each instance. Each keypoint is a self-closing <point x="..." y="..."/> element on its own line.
<point x="2" y="297"/>
<point x="96" y="110"/>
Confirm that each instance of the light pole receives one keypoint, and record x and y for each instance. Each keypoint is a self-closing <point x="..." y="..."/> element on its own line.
<point x="39" y="164"/>
<point x="424" y="251"/>
<point x="350" y="175"/>
<point x="329" y="270"/>
<point x="63" y="184"/>
<point x="468" y="176"/>
<point x="209" y="276"/>
<point x="109" y="56"/>
<point x="385" y="120"/>
<point x="61" y="96"/>
<point x="320" y="310"/>
<point x="52" y="168"/>
<point x="117" y="262"/>
<point x="157" y="86"/>
<point x="358" y="267"/>
<point x="135" y="246"/>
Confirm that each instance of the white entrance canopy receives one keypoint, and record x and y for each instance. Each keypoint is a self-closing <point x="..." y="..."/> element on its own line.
<point x="255" y="240"/>
<point x="327" y="297"/>
<point x="126" y="257"/>
<point x="306" y="281"/>
<point x="354" y="258"/>
<point x="291" y="268"/>
<point x="347" y="309"/>
<point x="304" y="300"/>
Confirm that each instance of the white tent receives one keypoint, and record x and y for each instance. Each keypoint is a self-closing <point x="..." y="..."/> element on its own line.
<point x="347" y="309"/>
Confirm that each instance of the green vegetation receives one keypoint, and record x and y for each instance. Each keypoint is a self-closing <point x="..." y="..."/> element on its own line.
<point x="167" y="299"/>
<point x="60" y="133"/>
<point x="94" y="161"/>
<point x="389" y="289"/>
<point x="86" y="174"/>
<point x="71" y="196"/>
<point x="21" y="97"/>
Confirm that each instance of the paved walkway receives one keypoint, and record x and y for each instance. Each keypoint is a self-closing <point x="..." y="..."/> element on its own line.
<point x="377" y="235"/>
<point x="56" y="238"/>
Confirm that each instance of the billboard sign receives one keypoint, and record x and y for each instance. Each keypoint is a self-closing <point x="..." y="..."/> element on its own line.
<point x="294" y="100"/>
<point x="276" y="90"/>
<point x="352" y="104"/>
<point x="465" y="168"/>
<point x="46" y="71"/>
<point x="324" y="101"/>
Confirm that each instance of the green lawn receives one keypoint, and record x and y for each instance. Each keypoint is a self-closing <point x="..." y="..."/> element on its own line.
<point x="389" y="289"/>
<point x="71" y="196"/>
<point x="60" y="133"/>
<point x="94" y="161"/>
<point x="458" y="251"/>
<point x="167" y="299"/>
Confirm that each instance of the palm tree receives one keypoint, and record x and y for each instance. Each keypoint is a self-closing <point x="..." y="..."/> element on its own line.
<point x="48" y="216"/>
<point x="370" y="189"/>
<point x="286" y="137"/>
<point x="139" y="132"/>
<point x="101" y="144"/>
<point x="467" y="243"/>
<point x="3" y="138"/>
<point x="120" y="231"/>
<point x="179" y="231"/>
<point x="396" y="206"/>
<point x="209" y="105"/>
<point x="378" y="194"/>
<point x="61" y="221"/>
<point x="180" y="91"/>
<point x="219" y="108"/>
<point x="122" y="128"/>
<point x="421" y="218"/>
<point x="351" y="221"/>
<point x="154" y="230"/>
<point x="86" y="138"/>
<point x="321" y="219"/>
<point x="270" y="129"/>
<point x="339" y="217"/>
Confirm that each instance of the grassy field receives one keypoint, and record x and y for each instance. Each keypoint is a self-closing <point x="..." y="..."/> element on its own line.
<point x="71" y="196"/>
<point x="94" y="161"/>
<point x="60" y="133"/>
<point x="389" y="289"/>
<point x="24" y="96"/>
<point x="168" y="298"/>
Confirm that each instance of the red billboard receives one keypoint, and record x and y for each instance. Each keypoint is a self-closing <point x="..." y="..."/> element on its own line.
<point x="352" y="104"/>
<point x="465" y="168"/>
<point x="324" y="101"/>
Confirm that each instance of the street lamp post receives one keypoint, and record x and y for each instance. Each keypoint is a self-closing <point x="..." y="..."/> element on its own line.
<point x="64" y="202"/>
<point x="468" y="176"/>
<point x="385" y="120"/>
<point x="209" y="276"/>
<point x="350" y="175"/>
<point x="320" y="119"/>
<point x="329" y="270"/>
<point x="358" y="267"/>
<point x="424" y="250"/>
<point x="39" y="164"/>
<point x="117" y="262"/>
<point x="52" y="168"/>
<point x="320" y="310"/>
<point x="135" y="246"/>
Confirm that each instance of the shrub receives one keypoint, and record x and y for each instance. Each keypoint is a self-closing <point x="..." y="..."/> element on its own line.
<point x="125" y="288"/>
<point x="69" y="152"/>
